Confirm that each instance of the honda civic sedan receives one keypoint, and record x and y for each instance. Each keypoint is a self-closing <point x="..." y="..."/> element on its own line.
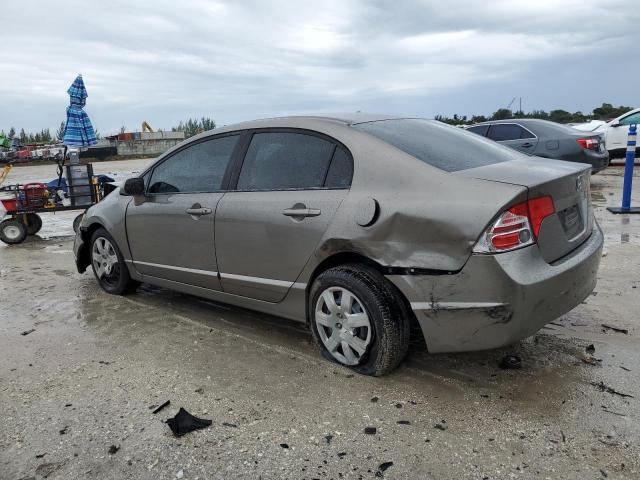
<point x="359" y="226"/>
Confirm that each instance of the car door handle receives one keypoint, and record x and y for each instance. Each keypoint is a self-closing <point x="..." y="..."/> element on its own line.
<point x="301" y="212"/>
<point x="527" y="145"/>
<point x="198" y="211"/>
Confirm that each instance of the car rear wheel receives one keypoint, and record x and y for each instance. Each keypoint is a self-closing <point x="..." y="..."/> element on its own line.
<point x="34" y="223"/>
<point x="358" y="319"/>
<point x="108" y="264"/>
<point x="12" y="232"/>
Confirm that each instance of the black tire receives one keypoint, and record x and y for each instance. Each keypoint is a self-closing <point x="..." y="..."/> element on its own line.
<point x="34" y="223"/>
<point x="76" y="222"/>
<point x="12" y="232"/>
<point x="386" y="310"/>
<point x="118" y="281"/>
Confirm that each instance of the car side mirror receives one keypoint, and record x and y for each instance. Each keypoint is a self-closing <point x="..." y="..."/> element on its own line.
<point x="614" y="125"/>
<point x="134" y="186"/>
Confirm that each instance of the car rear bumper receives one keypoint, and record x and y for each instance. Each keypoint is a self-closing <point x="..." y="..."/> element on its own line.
<point x="597" y="160"/>
<point x="496" y="300"/>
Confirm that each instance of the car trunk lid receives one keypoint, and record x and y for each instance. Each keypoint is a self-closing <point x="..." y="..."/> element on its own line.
<point x="568" y="184"/>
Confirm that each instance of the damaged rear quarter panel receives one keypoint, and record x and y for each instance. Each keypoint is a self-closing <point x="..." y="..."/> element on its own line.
<point x="427" y="218"/>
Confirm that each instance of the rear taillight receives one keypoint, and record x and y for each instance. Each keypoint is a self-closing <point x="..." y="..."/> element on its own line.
<point x="588" y="143"/>
<point x="518" y="227"/>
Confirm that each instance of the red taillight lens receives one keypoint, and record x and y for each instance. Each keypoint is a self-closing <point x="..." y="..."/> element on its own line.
<point x="517" y="227"/>
<point x="539" y="209"/>
<point x="588" y="143"/>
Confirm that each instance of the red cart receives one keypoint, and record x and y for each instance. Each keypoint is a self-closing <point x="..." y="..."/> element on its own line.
<point x="24" y="204"/>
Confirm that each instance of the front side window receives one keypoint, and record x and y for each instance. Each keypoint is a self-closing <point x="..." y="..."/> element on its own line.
<point x="285" y="161"/>
<point x="631" y="119"/>
<point x="196" y="168"/>
<point x="501" y="132"/>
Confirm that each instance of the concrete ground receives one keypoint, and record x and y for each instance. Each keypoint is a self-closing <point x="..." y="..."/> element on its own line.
<point x="77" y="393"/>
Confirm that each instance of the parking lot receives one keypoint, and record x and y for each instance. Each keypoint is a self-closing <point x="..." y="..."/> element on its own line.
<point x="78" y="391"/>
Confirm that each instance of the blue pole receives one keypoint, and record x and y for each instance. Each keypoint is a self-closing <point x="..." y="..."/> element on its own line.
<point x="628" y="168"/>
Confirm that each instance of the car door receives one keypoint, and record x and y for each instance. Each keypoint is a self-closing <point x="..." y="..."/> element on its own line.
<point x="618" y="132"/>
<point x="513" y="135"/>
<point x="288" y="189"/>
<point x="171" y="229"/>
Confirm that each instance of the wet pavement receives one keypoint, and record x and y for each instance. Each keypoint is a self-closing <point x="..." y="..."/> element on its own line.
<point x="78" y="392"/>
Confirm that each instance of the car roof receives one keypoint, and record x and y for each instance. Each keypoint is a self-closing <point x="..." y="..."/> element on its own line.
<point x="343" y="118"/>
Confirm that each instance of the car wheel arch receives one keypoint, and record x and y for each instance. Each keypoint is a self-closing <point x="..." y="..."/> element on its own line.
<point x="351" y="258"/>
<point x="84" y="259"/>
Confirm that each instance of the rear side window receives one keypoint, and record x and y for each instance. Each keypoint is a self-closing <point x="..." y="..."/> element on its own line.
<point x="442" y="146"/>
<point x="508" y="131"/>
<point x="197" y="168"/>
<point x="285" y="161"/>
<point x="340" y="171"/>
<point x="479" y="129"/>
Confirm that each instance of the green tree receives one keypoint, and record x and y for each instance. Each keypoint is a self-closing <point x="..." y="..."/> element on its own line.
<point x="60" y="131"/>
<point x="193" y="126"/>
<point x="607" y="111"/>
<point x="502" y="114"/>
<point x="12" y="132"/>
<point x="23" y="136"/>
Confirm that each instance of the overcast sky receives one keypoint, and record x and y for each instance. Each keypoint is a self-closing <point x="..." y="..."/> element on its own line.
<point x="163" y="61"/>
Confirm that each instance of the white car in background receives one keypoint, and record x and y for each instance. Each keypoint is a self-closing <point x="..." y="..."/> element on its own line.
<point x="616" y="132"/>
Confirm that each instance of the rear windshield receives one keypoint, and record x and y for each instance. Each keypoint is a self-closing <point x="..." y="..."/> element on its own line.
<point x="440" y="145"/>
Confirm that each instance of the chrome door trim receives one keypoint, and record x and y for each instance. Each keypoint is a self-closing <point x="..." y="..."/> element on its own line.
<point x="263" y="281"/>
<point x="173" y="267"/>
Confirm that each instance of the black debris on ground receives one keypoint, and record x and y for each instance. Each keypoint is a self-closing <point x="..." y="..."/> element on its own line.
<point x="441" y="426"/>
<point x="383" y="467"/>
<point x="184" y="423"/>
<point x="605" y="409"/>
<point x="199" y="390"/>
<point x="161" y="406"/>
<point x="27" y="332"/>
<point x="398" y="405"/>
<point x="370" y="430"/>
<point x="113" y="449"/>
<point x="589" y="360"/>
<point x="511" y="362"/>
<point x="403" y="422"/>
<point x="625" y="368"/>
<point x="40" y="455"/>
<point x="342" y="454"/>
<point x="605" y="388"/>
<point x="284" y="445"/>
<point x="590" y="349"/>
<point x="227" y="424"/>
<point x="606" y="327"/>
<point x="63" y="431"/>
<point x="374" y="399"/>
<point x="328" y="439"/>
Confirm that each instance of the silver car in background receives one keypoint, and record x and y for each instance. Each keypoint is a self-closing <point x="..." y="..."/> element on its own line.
<point x="359" y="226"/>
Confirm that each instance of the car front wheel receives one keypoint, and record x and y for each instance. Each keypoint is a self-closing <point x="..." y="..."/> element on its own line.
<point x="108" y="264"/>
<point x="358" y="319"/>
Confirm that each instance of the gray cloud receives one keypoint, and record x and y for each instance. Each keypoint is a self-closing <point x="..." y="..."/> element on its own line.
<point x="163" y="61"/>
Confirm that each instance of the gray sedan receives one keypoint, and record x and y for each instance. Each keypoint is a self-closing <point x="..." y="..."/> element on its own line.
<point x="359" y="226"/>
<point x="547" y="139"/>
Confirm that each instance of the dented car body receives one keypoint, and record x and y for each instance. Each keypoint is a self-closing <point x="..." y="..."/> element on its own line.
<point x="482" y="246"/>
